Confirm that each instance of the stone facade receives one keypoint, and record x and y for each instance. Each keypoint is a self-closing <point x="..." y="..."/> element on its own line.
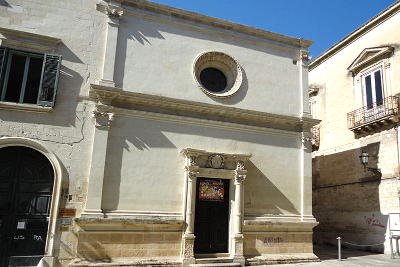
<point x="350" y="200"/>
<point x="134" y="128"/>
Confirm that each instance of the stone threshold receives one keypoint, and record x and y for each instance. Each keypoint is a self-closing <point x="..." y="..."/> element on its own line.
<point x="171" y="262"/>
<point x="281" y="258"/>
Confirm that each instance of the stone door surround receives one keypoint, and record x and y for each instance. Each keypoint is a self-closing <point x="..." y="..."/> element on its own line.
<point x="200" y="163"/>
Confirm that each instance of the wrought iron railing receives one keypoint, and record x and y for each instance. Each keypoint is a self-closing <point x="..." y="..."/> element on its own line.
<point x="315" y="130"/>
<point x="375" y="113"/>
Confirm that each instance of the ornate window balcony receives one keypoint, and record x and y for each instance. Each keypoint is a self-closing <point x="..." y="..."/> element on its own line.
<point x="374" y="116"/>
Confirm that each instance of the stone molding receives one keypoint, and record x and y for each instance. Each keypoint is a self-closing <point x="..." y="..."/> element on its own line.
<point x="215" y="22"/>
<point x="28" y="41"/>
<point x="25" y="107"/>
<point x="267" y="225"/>
<point x="171" y="106"/>
<point x="369" y="56"/>
<point x="223" y="62"/>
<point x="96" y="223"/>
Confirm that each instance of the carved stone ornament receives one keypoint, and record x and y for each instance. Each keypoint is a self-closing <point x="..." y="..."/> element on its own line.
<point x="192" y="161"/>
<point x="240" y="177"/>
<point x="192" y="174"/>
<point x="103" y="119"/>
<point x="216" y="161"/>
<point x="240" y="165"/>
<point x="114" y="13"/>
<point x="305" y="56"/>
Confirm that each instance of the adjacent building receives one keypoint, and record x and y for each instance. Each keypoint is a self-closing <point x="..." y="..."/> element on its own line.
<point x="140" y="134"/>
<point x="354" y="89"/>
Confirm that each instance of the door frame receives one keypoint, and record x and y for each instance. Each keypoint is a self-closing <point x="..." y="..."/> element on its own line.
<point x="56" y="194"/>
<point x="200" y="163"/>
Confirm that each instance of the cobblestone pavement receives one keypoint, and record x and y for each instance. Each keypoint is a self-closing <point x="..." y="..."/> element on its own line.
<point x="350" y="257"/>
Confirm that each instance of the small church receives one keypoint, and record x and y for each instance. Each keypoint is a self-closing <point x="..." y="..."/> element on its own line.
<point x="134" y="133"/>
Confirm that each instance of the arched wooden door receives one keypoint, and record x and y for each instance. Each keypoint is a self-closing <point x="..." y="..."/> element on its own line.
<point x="26" y="186"/>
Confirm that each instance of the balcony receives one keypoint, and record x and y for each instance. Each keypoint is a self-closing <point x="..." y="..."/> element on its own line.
<point x="369" y="118"/>
<point x="315" y="137"/>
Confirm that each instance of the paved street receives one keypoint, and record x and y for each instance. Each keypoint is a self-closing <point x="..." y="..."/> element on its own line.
<point x="328" y="256"/>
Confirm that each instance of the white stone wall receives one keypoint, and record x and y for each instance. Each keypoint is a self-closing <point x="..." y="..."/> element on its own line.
<point x="144" y="170"/>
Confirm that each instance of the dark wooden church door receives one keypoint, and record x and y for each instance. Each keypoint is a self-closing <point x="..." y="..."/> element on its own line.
<point x="26" y="185"/>
<point x="211" y="216"/>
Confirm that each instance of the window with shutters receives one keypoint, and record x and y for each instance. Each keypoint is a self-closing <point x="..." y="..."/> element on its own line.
<point x="28" y="78"/>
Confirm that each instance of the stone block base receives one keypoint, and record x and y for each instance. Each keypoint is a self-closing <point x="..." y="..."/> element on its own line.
<point x="281" y="258"/>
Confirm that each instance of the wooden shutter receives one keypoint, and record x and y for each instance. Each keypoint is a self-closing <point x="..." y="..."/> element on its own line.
<point x="49" y="80"/>
<point x="3" y="55"/>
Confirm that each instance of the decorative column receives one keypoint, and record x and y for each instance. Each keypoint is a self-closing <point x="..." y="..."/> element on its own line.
<point x="240" y="176"/>
<point x="192" y="170"/>
<point x="114" y="13"/>
<point x="103" y="117"/>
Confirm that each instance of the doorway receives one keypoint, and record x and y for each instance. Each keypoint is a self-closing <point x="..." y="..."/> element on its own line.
<point x="26" y="186"/>
<point x="211" y="216"/>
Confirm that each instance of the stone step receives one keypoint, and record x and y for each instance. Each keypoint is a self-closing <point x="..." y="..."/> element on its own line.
<point x="214" y="260"/>
<point x="216" y="264"/>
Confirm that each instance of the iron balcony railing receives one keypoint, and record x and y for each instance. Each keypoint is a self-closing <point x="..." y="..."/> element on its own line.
<point x="375" y="113"/>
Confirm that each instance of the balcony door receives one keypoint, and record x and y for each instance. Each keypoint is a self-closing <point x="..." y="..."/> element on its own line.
<point x="373" y="96"/>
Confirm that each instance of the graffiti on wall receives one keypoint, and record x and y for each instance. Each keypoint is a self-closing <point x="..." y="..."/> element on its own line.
<point x="373" y="221"/>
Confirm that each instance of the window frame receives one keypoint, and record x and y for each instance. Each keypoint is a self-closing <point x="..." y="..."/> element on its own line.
<point x="28" y="55"/>
<point x="49" y="76"/>
<point x="370" y="71"/>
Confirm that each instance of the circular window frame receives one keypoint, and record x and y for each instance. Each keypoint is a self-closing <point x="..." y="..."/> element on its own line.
<point x="224" y="63"/>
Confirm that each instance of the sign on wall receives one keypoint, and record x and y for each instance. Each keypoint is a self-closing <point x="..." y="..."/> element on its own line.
<point x="211" y="190"/>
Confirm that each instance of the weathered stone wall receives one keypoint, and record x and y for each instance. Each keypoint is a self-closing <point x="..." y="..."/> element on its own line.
<point x="348" y="200"/>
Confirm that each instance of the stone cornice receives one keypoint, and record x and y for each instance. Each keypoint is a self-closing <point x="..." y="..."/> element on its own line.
<point x="95" y="223"/>
<point x="188" y="152"/>
<point x="219" y="23"/>
<point x="165" y="105"/>
<point x="369" y="25"/>
<point x="27" y="40"/>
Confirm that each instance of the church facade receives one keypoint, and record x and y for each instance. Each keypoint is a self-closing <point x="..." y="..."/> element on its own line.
<point x="134" y="133"/>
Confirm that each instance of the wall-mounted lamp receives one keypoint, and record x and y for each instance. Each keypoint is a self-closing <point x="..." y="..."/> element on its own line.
<point x="364" y="157"/>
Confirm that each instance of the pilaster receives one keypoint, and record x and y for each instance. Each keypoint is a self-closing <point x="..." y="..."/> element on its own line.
<point x="189" y="237"/>
<point x="240" y="176"/>
<point x="114" y="12"/>
<point x="103" y="116"/>
<point x="306" y="175"/>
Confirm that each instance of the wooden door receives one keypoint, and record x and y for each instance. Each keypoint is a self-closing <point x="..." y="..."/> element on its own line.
<point x="211" y="216"/>
<point x="26" y="185"/>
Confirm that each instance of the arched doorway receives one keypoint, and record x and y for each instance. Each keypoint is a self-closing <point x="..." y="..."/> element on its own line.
<point x="26" y="186"/>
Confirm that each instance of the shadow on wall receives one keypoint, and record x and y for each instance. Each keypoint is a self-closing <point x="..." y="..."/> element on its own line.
<point x="346" y="200"/>
<point x="261" y="194"/>
<point x="137" y="29"/>
<point x="134" y="138"/>
<point x="4" y="3"/>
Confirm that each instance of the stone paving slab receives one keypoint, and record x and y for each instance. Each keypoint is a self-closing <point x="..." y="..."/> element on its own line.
<point x="328" y="256"/>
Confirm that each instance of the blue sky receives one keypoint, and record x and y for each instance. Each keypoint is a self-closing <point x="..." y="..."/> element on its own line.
<point x="323" y="21"/>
